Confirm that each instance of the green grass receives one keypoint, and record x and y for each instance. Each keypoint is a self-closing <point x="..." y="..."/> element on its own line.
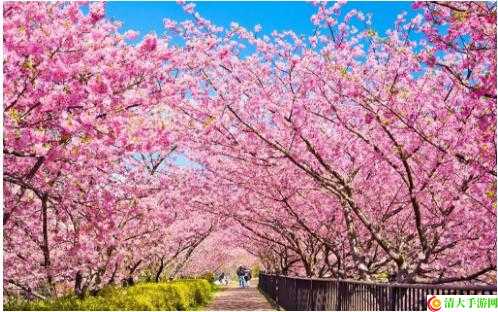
<point x="176" y="295"/>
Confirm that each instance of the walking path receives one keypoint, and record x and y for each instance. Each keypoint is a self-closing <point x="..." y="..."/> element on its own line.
<point x="233" y="298"/>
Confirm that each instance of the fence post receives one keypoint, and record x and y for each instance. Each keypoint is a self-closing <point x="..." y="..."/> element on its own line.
<point x="392" y="298"/>
<point x="276" y="289"/>
<point x="339" y="294"/>
<point x="312" y="298"/>
<point x="295" y="298"/>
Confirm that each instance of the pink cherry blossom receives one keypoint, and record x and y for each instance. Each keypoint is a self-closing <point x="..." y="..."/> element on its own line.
<point x="149" y="43"/>
<point x="131" y="34"/>
<point x="364" y="152"/>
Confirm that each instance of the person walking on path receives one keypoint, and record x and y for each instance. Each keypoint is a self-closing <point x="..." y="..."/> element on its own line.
<point x="247" y="276"/>
<point x="241" y="272"/>
<point x="222" y="279"/>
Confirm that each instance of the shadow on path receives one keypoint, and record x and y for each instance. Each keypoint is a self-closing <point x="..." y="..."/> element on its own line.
<point x="234" y="298"/>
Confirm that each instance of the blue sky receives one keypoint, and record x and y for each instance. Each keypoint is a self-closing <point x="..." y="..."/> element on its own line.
<point x="145" y="16"/>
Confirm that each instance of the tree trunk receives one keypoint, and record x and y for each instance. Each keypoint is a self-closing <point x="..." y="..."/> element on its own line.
<point x="78" y="285"/>
<point x="45" y="246"/>
<point x="27" y="289"/>
<point x="129" y="281"/>
<point x="113" y="276"/>
<point x="160" y="270"/>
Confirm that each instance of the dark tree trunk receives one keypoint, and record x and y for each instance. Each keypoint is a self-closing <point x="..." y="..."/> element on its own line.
<point x="78" y="285"/>
<point x="160" y="270"/>
<point x="113" y="276"/>
<point x="129" y="281"/>
<point x="45" y="245"/>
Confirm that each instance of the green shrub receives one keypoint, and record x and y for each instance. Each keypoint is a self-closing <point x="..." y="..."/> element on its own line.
<point x="256" y="270"/>
<point x="175" y="295"/>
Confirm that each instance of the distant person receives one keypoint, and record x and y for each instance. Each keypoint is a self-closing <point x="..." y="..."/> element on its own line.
<point x="247" y="276"/>
<point x="221" y="278"/>
<point x="227" y="279"/>
<point x="241" y="272"/>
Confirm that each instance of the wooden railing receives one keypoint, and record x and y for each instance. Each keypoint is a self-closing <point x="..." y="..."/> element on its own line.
<point x="310" y="294"/>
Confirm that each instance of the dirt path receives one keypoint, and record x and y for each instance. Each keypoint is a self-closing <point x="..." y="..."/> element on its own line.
<point x="232" y="298"/>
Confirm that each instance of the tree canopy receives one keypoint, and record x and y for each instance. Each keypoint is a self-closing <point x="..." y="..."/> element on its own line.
<point x="348" y="154"/>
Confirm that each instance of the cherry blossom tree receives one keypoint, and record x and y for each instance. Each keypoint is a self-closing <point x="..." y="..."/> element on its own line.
<point x="79" y="108"/>
<point x="349" y="116"/>
<point x="348" y="154"/>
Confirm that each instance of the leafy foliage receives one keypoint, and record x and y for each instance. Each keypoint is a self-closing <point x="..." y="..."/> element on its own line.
<point x="176" y="295"/>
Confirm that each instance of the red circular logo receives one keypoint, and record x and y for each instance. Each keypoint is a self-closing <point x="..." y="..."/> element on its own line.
<point x="434" y="303"/>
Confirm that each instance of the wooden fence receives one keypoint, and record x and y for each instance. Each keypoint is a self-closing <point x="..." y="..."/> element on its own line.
<point x="310" y="294"/>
